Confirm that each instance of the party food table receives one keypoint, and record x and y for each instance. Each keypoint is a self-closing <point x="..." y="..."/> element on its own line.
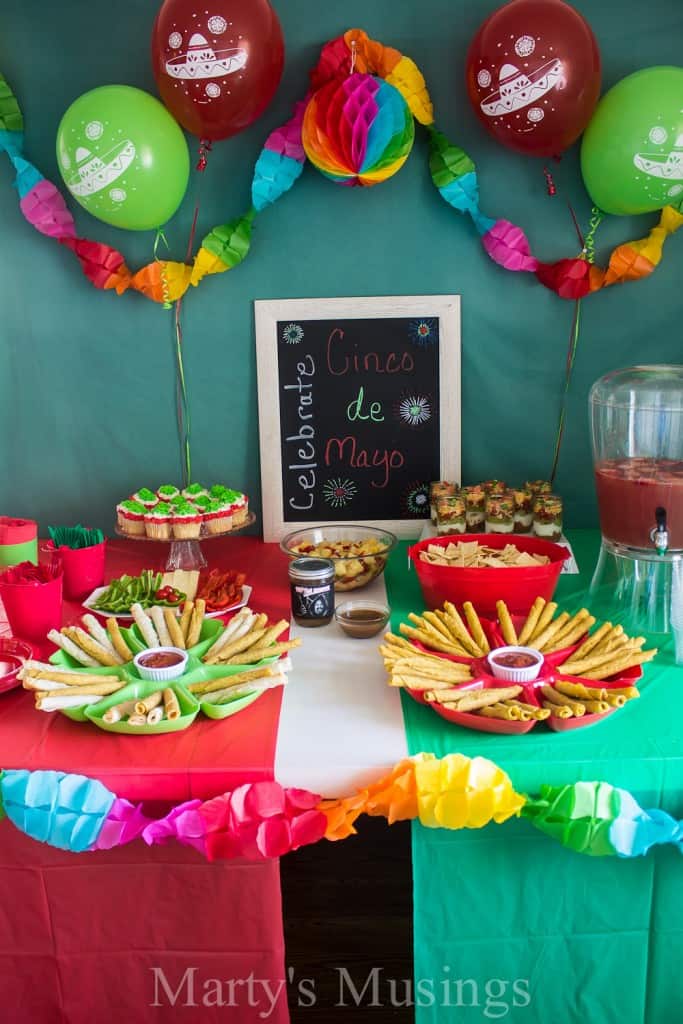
<point x="496" y="909"/>
<point x="588" y="939"/>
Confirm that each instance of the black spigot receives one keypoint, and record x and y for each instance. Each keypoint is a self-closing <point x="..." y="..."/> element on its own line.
<point x="659" y="535"/>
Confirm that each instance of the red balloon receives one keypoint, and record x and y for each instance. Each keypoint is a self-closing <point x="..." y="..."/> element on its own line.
<point x="217" y="71"/>
<point x="533" y="75"/>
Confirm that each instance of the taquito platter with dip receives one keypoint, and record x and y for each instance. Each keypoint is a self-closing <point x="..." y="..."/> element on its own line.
<point x="507" y="674"/>
<point x="104" y="675"/>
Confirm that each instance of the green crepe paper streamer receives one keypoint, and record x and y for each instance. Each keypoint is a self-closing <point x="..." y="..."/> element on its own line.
<point x="578" y="816"/>
<point x="446" y="161"/>
<point x="230" y="242"/>
<point x="11" y="118"/>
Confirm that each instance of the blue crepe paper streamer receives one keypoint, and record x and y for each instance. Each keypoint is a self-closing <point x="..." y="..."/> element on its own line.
<point x="274" y="175"/>
<point x="66" y="811"/>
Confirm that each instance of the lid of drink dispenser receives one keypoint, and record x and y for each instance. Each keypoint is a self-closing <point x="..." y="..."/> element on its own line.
<point x="641" y="387"/>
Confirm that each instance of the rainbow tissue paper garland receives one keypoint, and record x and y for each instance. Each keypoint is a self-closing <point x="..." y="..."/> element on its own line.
<point x="350" y="152"/>
<point x="264" y="819"/>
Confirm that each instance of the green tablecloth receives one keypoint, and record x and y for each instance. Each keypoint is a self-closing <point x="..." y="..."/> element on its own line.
<point x="504" y="910"/>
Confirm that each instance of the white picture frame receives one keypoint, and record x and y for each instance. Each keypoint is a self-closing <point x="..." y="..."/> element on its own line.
<point x="267" y="313"/>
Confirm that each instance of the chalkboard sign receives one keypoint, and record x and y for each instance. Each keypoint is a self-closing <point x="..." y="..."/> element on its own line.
<point x="359" y="409"/>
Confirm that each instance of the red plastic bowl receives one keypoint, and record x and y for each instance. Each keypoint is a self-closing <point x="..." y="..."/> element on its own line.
<point x="14" y="653"/>
<point x="518" y="586"/>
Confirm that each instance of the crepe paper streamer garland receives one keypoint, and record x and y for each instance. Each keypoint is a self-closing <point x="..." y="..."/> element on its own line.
<point x="393" y="797"/>
<point x="358" y="130"/>
<point x="353" y="55"/>
<point x="124" y="823"/>
<point x="598" y="819"/>
<point x="264" y="819"/>
<point x="66" y="811"/>
<point x="182" y="823"/>
<point x="261" y="819"/>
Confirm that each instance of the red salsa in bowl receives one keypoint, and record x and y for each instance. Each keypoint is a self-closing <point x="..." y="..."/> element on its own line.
<point x="161" y="659"/>
<point x="161" y="663"/>
<point x="516" y="664"/>
<point x="516" y="660"/>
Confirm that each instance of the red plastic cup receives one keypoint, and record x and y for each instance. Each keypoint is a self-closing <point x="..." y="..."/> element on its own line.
<point x="32" y="610"/>
<point x="83" y="570"/>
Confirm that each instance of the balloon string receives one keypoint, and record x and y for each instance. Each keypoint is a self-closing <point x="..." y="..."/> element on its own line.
<point x="182" y="406"/>
<point x="551" y="188"/>
<point x="579" y="233"/>
<point x="182" y="400"/>
<point x="593" y="225"/>
<point x="571" y="355"/>
<point x="159" y="238"/>
<point x="204" y="150"/>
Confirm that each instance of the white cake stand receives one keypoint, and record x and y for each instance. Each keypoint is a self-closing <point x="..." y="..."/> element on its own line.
<point x="185" y="553"/>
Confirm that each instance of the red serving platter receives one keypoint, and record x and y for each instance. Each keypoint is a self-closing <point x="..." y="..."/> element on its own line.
<point x="550" y="672"/>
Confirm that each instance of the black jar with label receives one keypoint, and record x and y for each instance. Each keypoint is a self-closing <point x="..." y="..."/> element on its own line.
<point x="312" y="586"/>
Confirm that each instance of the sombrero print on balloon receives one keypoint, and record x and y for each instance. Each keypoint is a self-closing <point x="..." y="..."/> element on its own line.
<point x="518" y="90"/>
<point x="665" y="169"/>
<point x="533" y="75"/>
<point x="216" y="68"/>
<point x="94" y="173"/>
<point x="201" y="61"/>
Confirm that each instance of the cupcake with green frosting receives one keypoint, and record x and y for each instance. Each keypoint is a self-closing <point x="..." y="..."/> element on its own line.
<point x="238" y="504"/>
<point x="130" y="518"/>
<point x="187" y="521"/>
<point x="202" y="503"/>
<point x="167" y="491"/>
<point x="217" y="517"/>
<point x="146" y="497"/>
<point x="194" y="491"/>
<point x="158" y="522"/>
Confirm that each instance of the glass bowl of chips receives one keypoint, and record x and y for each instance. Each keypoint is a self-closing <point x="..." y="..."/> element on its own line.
<point x="486" y="567"/>
<point x="359" y="553"/>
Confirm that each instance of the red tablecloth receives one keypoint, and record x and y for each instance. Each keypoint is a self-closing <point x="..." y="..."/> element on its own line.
<point x="98" y="938"/>
<point x="81" y="935"/>
<point x="202" y="761"/>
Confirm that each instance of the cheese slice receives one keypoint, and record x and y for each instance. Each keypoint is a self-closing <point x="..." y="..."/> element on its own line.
<point x="183" y="580"/>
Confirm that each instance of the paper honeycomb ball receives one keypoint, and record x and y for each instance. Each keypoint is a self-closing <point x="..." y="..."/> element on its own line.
<point x="358" y="130"/>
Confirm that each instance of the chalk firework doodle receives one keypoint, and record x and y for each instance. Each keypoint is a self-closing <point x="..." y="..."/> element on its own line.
<point x="416" y="499"/>
<point x="339" y="493"/>
<point x="414" y="409"/>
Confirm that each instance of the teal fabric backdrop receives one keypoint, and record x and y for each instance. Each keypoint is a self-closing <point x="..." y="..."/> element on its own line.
<point x="87" y="408"/>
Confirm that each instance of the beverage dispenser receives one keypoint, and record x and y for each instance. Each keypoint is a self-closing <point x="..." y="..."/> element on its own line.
<point x="637" y="434"/>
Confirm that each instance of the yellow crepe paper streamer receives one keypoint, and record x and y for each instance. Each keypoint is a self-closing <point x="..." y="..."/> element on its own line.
<point x="461" y="792"/>
<point x="451" y="792"/>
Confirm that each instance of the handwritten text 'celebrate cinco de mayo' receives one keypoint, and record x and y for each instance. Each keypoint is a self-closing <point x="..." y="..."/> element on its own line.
<point x="345" y="450"/>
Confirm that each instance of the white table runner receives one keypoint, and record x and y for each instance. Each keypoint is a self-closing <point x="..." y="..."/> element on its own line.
<point x="341" y="726"/>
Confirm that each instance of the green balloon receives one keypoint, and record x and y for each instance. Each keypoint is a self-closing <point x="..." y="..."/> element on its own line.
<point x="632" y="150"/>
<point x="123" y="157"/>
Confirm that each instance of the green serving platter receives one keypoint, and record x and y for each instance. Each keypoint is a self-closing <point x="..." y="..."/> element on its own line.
<point x="207" y="673"/>
<point x="62" y="660"/>
<point x="137" y="690"/>
<point x="211" y="629"/>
